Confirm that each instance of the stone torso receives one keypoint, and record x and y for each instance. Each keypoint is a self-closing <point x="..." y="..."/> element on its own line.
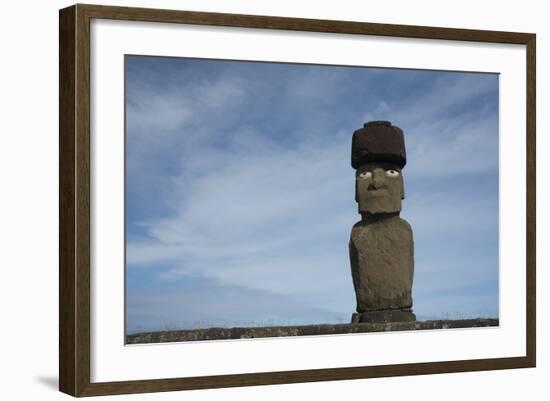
<point x="382" y="264"/>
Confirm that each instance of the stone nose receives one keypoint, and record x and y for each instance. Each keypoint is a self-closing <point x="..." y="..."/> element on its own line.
<point x="378" y="178"/>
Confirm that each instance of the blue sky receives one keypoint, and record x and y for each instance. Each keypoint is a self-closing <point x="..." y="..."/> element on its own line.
<point x="240" y="193"/>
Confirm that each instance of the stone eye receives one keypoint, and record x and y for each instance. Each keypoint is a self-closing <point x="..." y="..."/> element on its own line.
<point x="364" y="175"/>
<point x="392" y="173"/>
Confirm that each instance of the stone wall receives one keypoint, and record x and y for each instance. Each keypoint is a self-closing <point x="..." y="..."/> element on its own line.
<point x="233" y="333"/>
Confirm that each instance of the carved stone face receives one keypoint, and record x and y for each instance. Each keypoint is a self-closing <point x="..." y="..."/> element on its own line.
<point x="379" y="188"/>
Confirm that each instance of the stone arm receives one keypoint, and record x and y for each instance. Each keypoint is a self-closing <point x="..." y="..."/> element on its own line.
<point x="354" y="264"/>
<point x="411" y="248"/>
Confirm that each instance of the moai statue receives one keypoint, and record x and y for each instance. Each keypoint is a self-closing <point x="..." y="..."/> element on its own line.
<point x="381" y="244"/>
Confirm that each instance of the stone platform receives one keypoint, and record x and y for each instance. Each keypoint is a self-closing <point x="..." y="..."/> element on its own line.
<point x="233" y="333"/>
<point x="386" y="316"/>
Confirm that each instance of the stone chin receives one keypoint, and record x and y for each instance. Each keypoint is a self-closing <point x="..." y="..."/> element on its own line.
<point x="378" y="207"/>
<point x="381" y="201"/>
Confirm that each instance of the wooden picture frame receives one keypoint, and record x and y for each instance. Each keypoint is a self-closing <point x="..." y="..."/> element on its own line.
<point x="74" y="200"/>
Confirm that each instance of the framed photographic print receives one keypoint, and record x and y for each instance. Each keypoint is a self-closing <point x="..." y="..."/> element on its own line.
<point x="250" y="200"/>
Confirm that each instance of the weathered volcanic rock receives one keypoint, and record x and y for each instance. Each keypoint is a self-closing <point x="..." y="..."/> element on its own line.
<point x="379" y="193"/>
<point x="310" y="330"/>
<point x="378" y="141"/>
<point x="384" y="316"/>
<point x="382" y="264"/>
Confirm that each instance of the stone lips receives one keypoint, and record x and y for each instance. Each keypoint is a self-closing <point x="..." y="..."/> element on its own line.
<point x="378" y="141"/>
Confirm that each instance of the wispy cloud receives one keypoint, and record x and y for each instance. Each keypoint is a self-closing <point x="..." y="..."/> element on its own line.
<point x="201" y="302"/>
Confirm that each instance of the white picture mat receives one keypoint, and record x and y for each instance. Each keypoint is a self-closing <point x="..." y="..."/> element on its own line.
<point x="111" y="360"/>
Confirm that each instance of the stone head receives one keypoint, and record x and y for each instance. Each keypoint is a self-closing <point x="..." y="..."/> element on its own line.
<point x="378" y="155"/>
<point x="379" y="188"/>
